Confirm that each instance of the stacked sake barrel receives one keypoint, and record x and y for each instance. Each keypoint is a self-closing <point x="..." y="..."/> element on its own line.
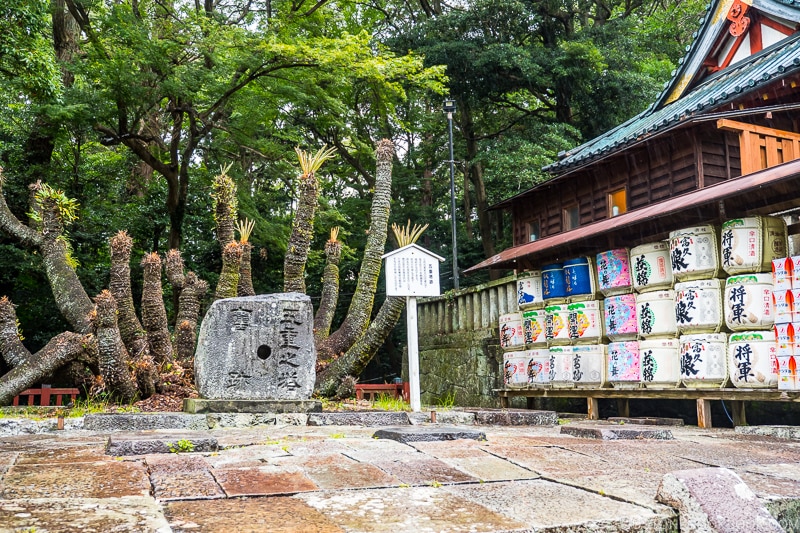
<point x="786" y="300"/>
<point x="521" y="339"/>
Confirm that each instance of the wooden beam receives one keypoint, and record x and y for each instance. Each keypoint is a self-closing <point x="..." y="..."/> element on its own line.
<point x="736" y="126"/>
<point x="703" y="413"/>
<point x="592" y="409"/>
<point x="738" y="414"/>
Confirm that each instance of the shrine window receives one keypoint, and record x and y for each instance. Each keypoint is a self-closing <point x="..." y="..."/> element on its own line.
<point x="617" y="203"/>
<point x="571" y="218"/>
<point x="534" y="230"/>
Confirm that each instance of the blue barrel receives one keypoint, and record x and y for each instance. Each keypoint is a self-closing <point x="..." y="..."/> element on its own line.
<point x="579" y="277"/>
<point x="553" y="283"/>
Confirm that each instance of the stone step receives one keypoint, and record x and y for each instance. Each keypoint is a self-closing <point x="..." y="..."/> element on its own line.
<point x="121" y="445"/>
<point x="514" y="417"/>
<point x="646" y="420"/>
<point x="616" y="433"/>
<point x="358" y="418"/>
<point x="144" y="421"/>
<point x="428" y="434"/>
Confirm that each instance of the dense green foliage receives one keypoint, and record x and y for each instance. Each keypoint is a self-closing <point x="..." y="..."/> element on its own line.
<point x="131" y="107"/>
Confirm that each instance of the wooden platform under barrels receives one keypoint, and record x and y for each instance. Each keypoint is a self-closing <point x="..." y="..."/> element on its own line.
<point x="704" y="397"/>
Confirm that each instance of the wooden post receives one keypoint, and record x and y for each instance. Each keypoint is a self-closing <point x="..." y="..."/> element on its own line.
<point x="623" y="408"/>
<point x="592" y="409"/>
<point x="504" y="403"/>
<point x="413" y="352"/>
<point x="737" y="412"/>
<point x="703" y="413"/>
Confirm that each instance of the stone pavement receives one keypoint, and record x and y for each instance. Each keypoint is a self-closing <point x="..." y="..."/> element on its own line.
<point x="329" y="479"/>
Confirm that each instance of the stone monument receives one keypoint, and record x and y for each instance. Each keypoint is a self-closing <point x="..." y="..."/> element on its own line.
<point x="256" y="354"/>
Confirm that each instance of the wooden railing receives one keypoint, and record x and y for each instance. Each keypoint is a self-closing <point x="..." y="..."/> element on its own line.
<point x="761" y="147"/>
<point x="468" y="309"/>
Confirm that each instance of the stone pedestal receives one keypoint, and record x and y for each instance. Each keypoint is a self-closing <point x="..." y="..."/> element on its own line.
<point x="257" y="348"/>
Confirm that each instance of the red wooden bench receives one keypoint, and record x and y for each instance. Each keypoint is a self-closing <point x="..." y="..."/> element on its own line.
<point x="46" y="393"/>
<point x="371" y="392"/>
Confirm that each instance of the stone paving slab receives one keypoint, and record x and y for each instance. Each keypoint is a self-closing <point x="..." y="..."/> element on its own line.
<point x="428" y="434"/>
<point x="616" y="433"/>
<point x="362" y="418"/>
<point x="370" y="450"/>
<point x="489" y="468"/>
<point x="144" y="421"/>
<point x="87" y="515"/>
<point x="70" y="454"/>
<point x="176" y="477"/>
<point x="337" y="471"/>
<point x="540" y="505"/>
<point x="715" y="500"/>
<point x="783" y="432"/>
<point x="101" y="479"/>
<point x="261" y="482"/>
<point x="246" y="456"/>
<point x="256" y="515"/>
<point x="417" y="509"/>
<point x="424" y="471"/>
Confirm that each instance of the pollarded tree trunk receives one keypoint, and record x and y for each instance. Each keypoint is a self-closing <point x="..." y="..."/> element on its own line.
<point x="185" y="339"/>
<point x="12" y="350"/>
<point x="133" y="334"/>
<point x="225" y="208"/>
<point x="188" y="314"/>
<point x="360" y="308"/>
<point x="229" y="277"/>
<point x="294" y="264"/>
<point x="173" y="266"/>
<point x="154" y="315"/>
<point x="112" y="356"/>
<point x="61" y="349"/>
<point x="330" y="291"/>
<point x="245" y="287"/>
<point x="355" y="360"/>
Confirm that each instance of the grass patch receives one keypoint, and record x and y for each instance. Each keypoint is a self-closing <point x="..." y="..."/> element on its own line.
<point x="446" y="401"/>
<point x="390" y="403"/>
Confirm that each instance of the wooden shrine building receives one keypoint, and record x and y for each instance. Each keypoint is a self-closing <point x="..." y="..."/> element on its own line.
<point x="721" y="141"/>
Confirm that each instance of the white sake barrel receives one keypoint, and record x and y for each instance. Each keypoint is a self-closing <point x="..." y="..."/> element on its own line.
<point x="614" y="272"/>
<point x="748" y="302"/>
<point x="698" y="306"/>
<point x="561" y="371"/>
<point x="752" y="360"/>
<point x="529" y="290"/>
<point x="511" y="334"/>
<point x="623" y="365"/>
<point x="694" y="253"/>
<point x="620" y="317"/>
<point x="661" y="363"/>
<point x="557" y="324"/>
<point x="704" y="360"/>
<point x="750" y="244"/>
<point x="515" y="373"/>
<point x="538" y="367"/>
<point x="534" y="322"/>
<point x="787" y="368"/>
<point x="589" y="365"/>
<point x="586" y="322"/>
<point x="655" y="314"/>
<point x="651" y="267"/>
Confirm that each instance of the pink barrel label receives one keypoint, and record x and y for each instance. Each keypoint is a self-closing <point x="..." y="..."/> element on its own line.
<point x="620" y="316"/>
<point x="623" y="362"/>
<point x="613" y="271"/>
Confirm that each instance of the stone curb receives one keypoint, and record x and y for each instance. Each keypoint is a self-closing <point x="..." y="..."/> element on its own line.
<point x="511" y="417"/>
<point x="366" y="418"/>
<point x="128" y="446"/>
<point x="781" y="432"/>
<point x="144" y="421"/>
<point x="428" y="434"/>
<point x="616" y="433"/>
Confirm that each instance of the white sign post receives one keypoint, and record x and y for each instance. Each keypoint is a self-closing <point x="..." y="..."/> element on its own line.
<point x="412" y="271"/>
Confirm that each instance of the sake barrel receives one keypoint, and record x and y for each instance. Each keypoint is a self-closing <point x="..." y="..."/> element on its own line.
<point x="554" y="286"/>
<point x="782" y="269"/>
<point x="652" y="270"/>
<point x="748" y="302"/>
<point x="704" y="360"/>
<point x="589" y="365"/>
<point x="561" y="359"/>
<point x="534" y="322"/>
<point x="623" y="364"/>
<point x="661" y="363"/>
<point x="750" y="244"/>
<point x="655" y="314"/>
<point x="620" y="317"/>
<point x="515" y="369"/>
<point x="538" y="367"/>
<point x="694" y="253"/>
<point x="579" y="278"/>
<point x="585" y="321"/>
<point x="613" y="272"/>
<point x="556" y="329"/>
<point x="529" y="290"/>
<point x="511" y="335"/>
<point x="698" y="306"/>
<point x="752" y="360"/>
<point x="787" y="373"/>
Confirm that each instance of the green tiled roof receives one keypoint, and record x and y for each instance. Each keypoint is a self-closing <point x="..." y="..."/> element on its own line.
<point x="730" y="84"/>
